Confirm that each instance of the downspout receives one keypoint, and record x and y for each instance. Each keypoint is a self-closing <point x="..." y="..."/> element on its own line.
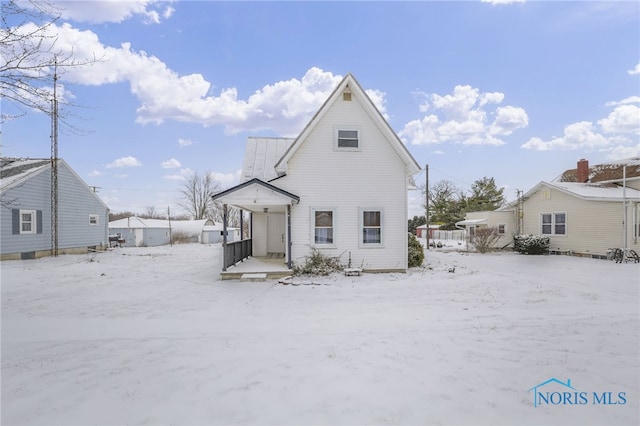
<point x="289" y="236"/>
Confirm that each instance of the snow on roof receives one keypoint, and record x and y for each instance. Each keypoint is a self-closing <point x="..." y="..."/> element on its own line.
<point x="611" y="171"/>
<point x="191" y="227"/>
<point x="16" y="170"/>
<point x="261" y="156"/>
<point x="593" y="191"/>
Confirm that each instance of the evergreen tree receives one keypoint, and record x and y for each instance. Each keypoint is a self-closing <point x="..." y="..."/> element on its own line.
<point x="485" y="195"/>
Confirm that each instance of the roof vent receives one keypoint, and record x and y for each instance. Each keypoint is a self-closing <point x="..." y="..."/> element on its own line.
<point x="346" y="95"/>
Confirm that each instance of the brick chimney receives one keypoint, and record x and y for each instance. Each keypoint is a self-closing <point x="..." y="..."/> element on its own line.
<point x="583" y="171"/>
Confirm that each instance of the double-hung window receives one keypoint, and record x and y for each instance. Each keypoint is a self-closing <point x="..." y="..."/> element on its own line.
<point x="347" y="139"/>
<point x="323" y="226"/>
<point x="27" y="221"/>
<point x="94" y="219"/>
<point x="554" y="224"/>
<point x="371" y="227"/>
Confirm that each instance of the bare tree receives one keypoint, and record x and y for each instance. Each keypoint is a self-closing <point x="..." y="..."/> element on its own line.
<point x="30" y="57"/>
<point x="152" y="213"/>
<point x="196" y="195"/>
<point x="486" y="238"/>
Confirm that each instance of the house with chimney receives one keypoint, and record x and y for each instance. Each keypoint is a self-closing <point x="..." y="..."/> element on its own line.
<point x="585" y="211"/>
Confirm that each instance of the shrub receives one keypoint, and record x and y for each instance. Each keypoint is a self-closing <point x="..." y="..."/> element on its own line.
<point x="416" y="251"/>
<point x="318" y="263"/>
<point x="486" y="238"/>
<point x="531" y="244"/>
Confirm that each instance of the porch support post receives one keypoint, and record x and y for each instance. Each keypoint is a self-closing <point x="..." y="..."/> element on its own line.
<point x="224" y="237"/>
<point x="241" y="226"/>
<point x="289" y="236"/>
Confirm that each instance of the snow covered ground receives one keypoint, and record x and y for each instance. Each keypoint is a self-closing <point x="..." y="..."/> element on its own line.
<point x="152" y="336"/>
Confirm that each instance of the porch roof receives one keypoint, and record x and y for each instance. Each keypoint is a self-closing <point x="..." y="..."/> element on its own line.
<point x="256" y="195"/>
<point x="472" y="222"/>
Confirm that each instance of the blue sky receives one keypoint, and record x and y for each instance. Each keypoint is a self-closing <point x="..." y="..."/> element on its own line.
<point x="518" y="91"/>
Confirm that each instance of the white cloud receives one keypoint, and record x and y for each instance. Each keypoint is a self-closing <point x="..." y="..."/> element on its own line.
<point x="577" y="135"/>
<point x="184" y="142"/>
<point x="615" y="133"/>
<point x="226" y="180"/>
<point x="621" y="152"/>
<point x="629" y="100"/>
<point x="124" y="162"/>
<point x="464" y="117"/>
<point x="99" y="11"/>
<point x="623" y="119"/>
<point x="95" y="173"/>
<point x="181" y="175"/>
<point x="170" y="164"/>
<point x="635" y="71"/>
<point x="284" y="107"/>
<point x="500" y="2"/>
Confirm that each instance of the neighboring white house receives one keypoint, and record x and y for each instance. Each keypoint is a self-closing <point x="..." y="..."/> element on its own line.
<point x="139" y="232"/>
<point x="340" y="187"/>
<point x="25" y="212"/>
<point x="584" y="211"/>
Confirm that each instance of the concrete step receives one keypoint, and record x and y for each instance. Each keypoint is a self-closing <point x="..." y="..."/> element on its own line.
<point x="253" y="277"/>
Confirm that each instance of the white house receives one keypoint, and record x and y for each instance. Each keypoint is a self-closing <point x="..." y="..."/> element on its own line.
<point x="585" y="211"/>
<point x="25" y="212"/>
<point x="340" y="187"/>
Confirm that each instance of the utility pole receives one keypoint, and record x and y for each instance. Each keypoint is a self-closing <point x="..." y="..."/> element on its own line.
<point x="54" y="165"/>
<point x="426" y="195"/>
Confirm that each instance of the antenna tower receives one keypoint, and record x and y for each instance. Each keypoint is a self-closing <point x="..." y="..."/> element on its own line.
<point x="54" y="165"/>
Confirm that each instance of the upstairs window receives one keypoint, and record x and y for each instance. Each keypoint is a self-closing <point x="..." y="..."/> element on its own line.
<point x="94" y="219"/>
<point x="348" y="139"/>
<point x="502" y="229"/>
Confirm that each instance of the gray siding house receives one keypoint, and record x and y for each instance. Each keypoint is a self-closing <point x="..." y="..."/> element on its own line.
<point x="25" y="211"/>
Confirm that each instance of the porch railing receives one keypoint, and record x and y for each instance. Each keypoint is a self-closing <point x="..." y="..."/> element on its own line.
<point x="236" y="251"/>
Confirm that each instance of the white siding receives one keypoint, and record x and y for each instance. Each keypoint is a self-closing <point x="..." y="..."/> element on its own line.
<point x="259" y="234"/>
<point x="373" y="177"/>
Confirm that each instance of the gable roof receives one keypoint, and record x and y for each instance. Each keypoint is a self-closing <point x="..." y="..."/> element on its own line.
<point x="605" y="172"/>
<point x="349" y="81"/>
<point x="256" y="195"/>
<point x="16" y="171"/>
<point x="261" y="156"/>
<point x="590" y="191"/>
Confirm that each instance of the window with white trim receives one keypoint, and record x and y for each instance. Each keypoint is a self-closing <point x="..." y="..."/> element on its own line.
<point x="323" y="227"/>
<point x="94" y="219"/>
<point x="27" y="221"/>
<point x="502" y="229"/>
<point x="554" y="223"/>
<point x="348" y="139"/>
<point x="371" y="227"/>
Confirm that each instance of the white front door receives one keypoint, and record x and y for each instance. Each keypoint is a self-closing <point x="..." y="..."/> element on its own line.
<point x="275" y="233"/>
